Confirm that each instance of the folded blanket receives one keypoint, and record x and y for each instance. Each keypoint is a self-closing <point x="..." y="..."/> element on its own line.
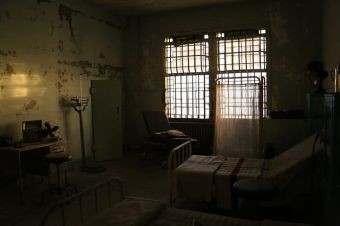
<point x="223" y="183"/>
<point x="194" y="178"/>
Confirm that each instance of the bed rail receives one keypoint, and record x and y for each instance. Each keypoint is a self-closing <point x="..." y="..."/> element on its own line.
<point x="79" y="197"/>
<point x="176" y="157"/>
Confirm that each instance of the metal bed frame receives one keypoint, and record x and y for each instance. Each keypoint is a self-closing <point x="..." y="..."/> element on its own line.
<point x="79" y="197"/>
<point x="176" y="157"/>
<point x="255" y="81"/>
<point x="182" y="152"/>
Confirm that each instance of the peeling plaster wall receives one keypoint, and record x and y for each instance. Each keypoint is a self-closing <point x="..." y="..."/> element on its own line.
<point x="50" y="51"/>
<point x="294" y="38"/>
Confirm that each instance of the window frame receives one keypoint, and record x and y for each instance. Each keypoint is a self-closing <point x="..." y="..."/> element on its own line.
<point x="213" y="71"/>
<point x="195" y="67"/>
<point x="243" y="49"/>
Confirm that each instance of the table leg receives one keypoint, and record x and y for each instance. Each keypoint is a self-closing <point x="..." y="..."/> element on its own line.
<point x="21" y="182"/>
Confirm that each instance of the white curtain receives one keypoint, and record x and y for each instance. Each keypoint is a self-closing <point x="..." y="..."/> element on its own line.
<point x="237" y="120"/>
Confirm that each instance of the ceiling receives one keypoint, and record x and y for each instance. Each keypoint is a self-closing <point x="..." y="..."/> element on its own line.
<point x="135" y="7"/>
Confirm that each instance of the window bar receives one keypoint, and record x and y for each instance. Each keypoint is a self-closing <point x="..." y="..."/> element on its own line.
<point x="168" y="68"/>
<point x="225" y="55"/>
<point x="260" y="62"/>
<point x="239" y="67"/>
<point x="246" y="64"/>
<point x="203" y="69"/>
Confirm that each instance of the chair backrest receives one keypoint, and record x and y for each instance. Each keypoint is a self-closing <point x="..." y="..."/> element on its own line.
<point x="156" y="121"/>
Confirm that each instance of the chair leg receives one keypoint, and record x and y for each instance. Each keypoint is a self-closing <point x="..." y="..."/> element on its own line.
<point x="66" y="184"/>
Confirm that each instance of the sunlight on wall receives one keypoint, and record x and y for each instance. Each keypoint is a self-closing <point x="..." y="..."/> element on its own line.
<point x="18" y="92"/>
<point x="21" y="85"/>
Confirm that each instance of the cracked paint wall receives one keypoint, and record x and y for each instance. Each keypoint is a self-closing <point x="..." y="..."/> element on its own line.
<point x="49" y="52"/>
<point x="294" y="29"/>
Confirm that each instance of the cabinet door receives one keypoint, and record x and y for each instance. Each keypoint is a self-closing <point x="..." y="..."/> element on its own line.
<point x="106" y="118"/>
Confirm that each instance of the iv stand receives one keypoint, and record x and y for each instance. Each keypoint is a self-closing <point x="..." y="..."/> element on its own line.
<point x="79" y="104"/>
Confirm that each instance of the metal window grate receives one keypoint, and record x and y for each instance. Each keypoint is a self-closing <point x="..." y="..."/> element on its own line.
<point x="187" y="77"/>
<point x="242" y="55"/>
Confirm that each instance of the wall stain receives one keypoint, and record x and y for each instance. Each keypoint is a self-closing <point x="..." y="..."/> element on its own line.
<point x="120" y="27"/>
<point x="52" y="30"/>
<point x="101" y="56"/>
<point x="61" y="73"/>
<point x="9" y="70"/>
<point x="33" y="19"/>
<point x="61" y="46"/>
<point x="108" y="68"/>
<point x="8" y="15"/>
<point x="11" y="53"/>
<point x="76" y="51"/>
<point x="59" y="86"/>
<point x="84" y="65"/>
<point x="103" y="69"/>
<point x="65" y="13"/>
<point x="2" y="53"/>
<point x="30" y="105"/>
<point x="43" y="1"/>
<point x="81" y="63"/>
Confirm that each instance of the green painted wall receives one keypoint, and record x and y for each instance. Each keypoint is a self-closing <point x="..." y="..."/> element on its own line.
<point x="49" y="52"/>
<point x="295" y="39"/>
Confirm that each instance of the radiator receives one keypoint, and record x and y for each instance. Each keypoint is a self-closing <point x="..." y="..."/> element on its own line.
<point x="202" y="131"/>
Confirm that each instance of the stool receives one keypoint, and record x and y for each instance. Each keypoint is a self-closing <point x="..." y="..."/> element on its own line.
<point x="254" y="190"/>
<point x="58" y="158"/>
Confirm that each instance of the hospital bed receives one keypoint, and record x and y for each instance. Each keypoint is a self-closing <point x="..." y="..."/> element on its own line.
<point x="80" y="209"/>
<point x="210" y="178"/>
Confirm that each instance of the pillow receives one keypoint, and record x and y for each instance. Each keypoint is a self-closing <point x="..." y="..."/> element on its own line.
<point x="173" y="133"/>
<point x="167" y="135"/>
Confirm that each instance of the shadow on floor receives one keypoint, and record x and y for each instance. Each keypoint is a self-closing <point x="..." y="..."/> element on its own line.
<point x="141" y="177"/>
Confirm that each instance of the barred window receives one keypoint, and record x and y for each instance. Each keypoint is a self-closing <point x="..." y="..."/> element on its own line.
<point x="187" y="77"/>
<point x="242" y="60"/>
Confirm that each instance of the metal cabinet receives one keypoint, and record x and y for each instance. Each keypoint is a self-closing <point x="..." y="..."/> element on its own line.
<point x="332" y="136"/>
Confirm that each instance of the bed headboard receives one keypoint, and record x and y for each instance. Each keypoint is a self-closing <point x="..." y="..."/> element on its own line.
<point x="89" y="202"/>
<point x="176" y="157"/>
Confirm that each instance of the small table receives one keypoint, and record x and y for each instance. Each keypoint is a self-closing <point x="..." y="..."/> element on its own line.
<point x="47" y="146"/>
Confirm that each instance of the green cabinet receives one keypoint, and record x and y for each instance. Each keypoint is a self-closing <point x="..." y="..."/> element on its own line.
<point x="315" y="111"/>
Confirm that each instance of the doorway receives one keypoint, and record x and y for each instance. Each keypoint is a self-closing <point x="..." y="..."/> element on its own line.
<point x="106" y="118"/>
